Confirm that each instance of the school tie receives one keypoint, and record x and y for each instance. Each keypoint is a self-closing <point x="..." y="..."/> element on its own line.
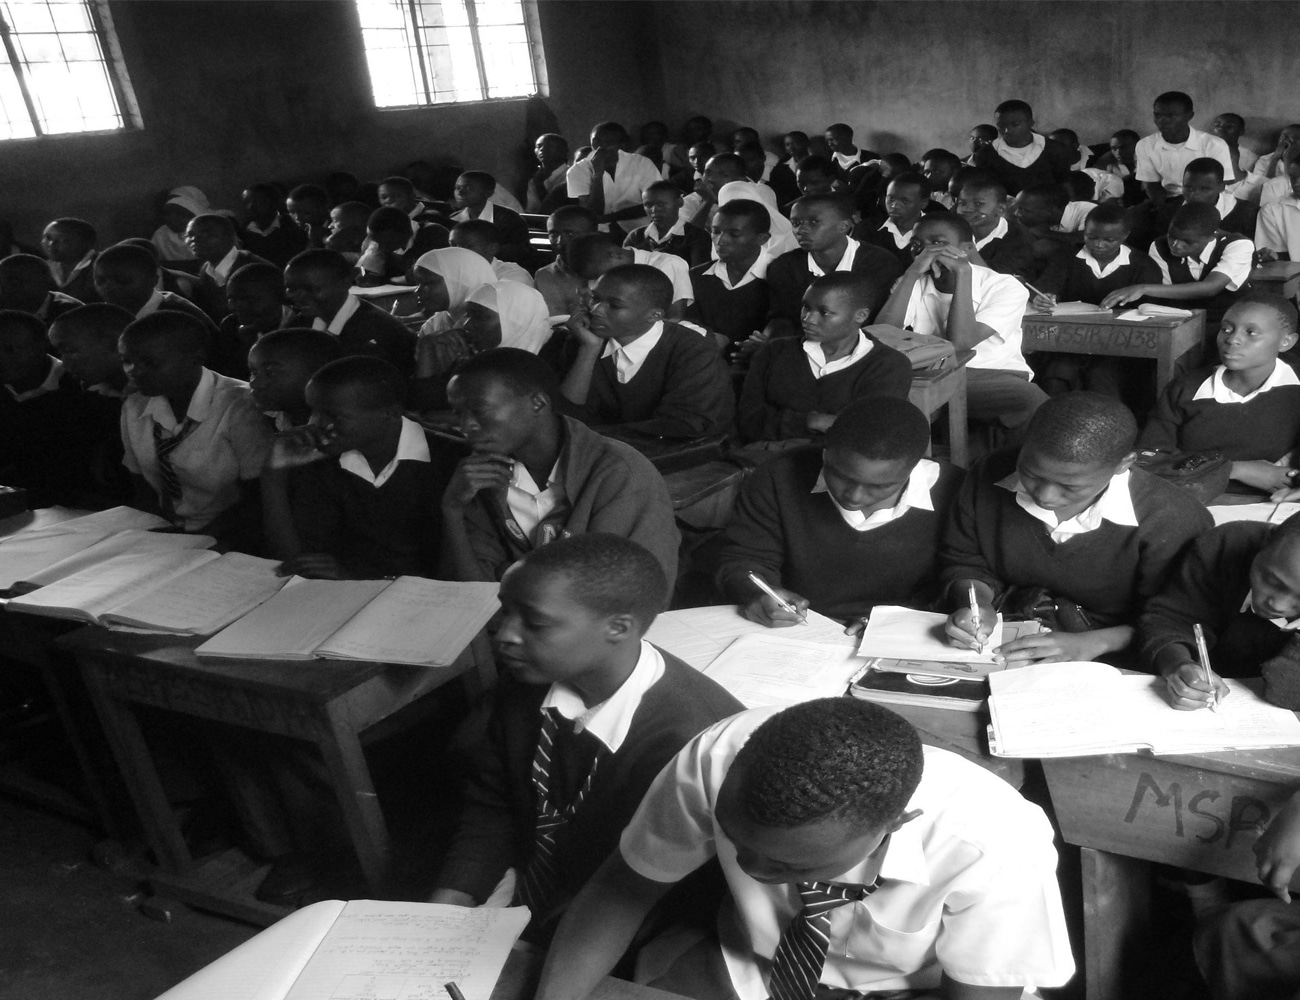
<point x="163" y="446"/>
<point x="540" y="877"/>
<point x="797" y="965"/>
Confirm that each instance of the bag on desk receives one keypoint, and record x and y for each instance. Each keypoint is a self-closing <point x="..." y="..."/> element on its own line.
<point x="1055" y="614"/>
<point x="921" y="349"/>
<point x="1202" y="473"/>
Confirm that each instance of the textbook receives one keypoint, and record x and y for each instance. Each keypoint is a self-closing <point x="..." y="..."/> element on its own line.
<point x="365" y="949"/>
<point x="1078" y="309"/>
<point x="778" y="668"/>
<point x="922" y="690"/>
<point x="1084" y="709"/>
<point x="410" y="620"/>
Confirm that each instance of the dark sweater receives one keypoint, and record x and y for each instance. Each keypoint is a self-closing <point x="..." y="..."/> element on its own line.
<point x="211" y="297"/>
<point x="1052" y="167"/>
<point x="733" y="312"/>
<point x="279" y="245"/>
<point x="788" y="278"/>
<point x="498" y="819"/>
<point x="1263" y="429"/>
<point x="780" y="389"/>
<point x="1012" y="253"/>
<point x="693" y="246"/>
<point x="1110" y="572"/>
<point x="1209" y="585"/>
<point x="879" y="236"/>
<point x="1071" y="279"/>
<point x="372" y="331"/>
<point x="796" y="539"/>
<point x="682" y="390"/>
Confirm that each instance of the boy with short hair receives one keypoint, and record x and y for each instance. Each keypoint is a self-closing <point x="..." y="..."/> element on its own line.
<point x="1019" y="155"/>
<point x="834" y="826"/>
<point x="69" y="246"/>
<point x="546" y="187"/>
<point x="782" y="178"/>
<point x="981" y="137"/>
<point x="1162" y="157"/>
<point x="731" y="294"/>
<point x="399" y="192"/>
<point x="1203" y="185"/>
<point x="269" y="232"/>
<point x="698" y="206"/>
<point x="348" y="224"/>
<point x="1103" y="264"/>
<point x="906" y="199"/>
<point x="1278" y="234"/>
<point x="609" y="182"/>
<point x="1230" y="127"/>
<point x="393" y="244"/>
<point x="86" y="338"/>
<point x="634" y="370"/>
<point x="939" y="166"/>
<point x="280" y="365"/>
<point x="127" y="276"/>
<point x="795" y="388"/>
<point x="473" y="191"/>
<point x="211" y="237"/>
<point x="815" y="175"/>
<point x="255" y="295"/>
<point x="27" y="285"/>
<point x="668" y="232"/>
<point x="353" y="494"/>
<point x="1001" y="243"/>
<point x="1067" y="514"/>
<point x="593" y="255"/>
<point x="308" y="206"/>
<point x="844" y="527"/>
<point x="846" y="156"/>
<point x="586" y="715"/>
<point x="485" y="239"/>
<point x="563" y="289"/>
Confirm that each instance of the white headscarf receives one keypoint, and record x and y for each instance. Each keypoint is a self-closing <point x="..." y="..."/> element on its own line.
<point x="189" y="198"/>
<point x="782" y="238"/>
<point x="463" y="271"/>
<point x="522" y="310"/>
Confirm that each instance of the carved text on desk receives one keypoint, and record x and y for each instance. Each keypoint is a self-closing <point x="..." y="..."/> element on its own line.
<point x="1216" y="820"/>
<point x="1082" y="338"/>
<point x="239" y="706"/>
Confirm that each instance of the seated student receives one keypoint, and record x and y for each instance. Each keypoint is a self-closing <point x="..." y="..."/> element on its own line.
<point x="699" y="207"/>
<point x="1000" y="242"/>
<point x="821" y="228"/>
<point x="1278" y="234"/>
<point x="842" y="528"/>
<point x="782" y="177"/>
<point x="212" y="238"/>
<point x="746" y="137"/>
<point x="1230" y="127"/>
<point x="781" y="239"/>
<point x="399" y="192"/>
<point x="795" y="387"/>
<point x="1200" y="267"/>
<point x="846" y="156"/>
<point x="127" y="276"/>
<point x="393" y="245"/>
<point x="564" y="290"/>
<point x="622" y="176"/>
<point x="939" y="166"/>
<point x="731" y="296"/>
<point x="27" y="285"/>
<point x="194" y="440"/>
<point x="634" y="370"/>
<point x="698" y="156"/>
<point x="255" y="295"/>
<point x="1105" y="185"/>
<point x="352" y="495"/>
<point x="814" y="175"/>
<point x="560" y="769"/>
<point x="183" y="205"/>
<point x="473" y="190"/>
<point x="318" y="285"/>
<point x="1262" y="183"/>
<point x="944" y="295"/>
<point x="546" y="189"/>
<point x="170" y="279"/>
<point x="758" y="161"/>
<point x="1203" y="185"/>
<point x="269" y="232"/>
<point x="672" y="155"/>
<point x="446" y="277"/>
<point x="981" y="137"/>
<point x="809" y="808"/>
<point x="1162" y="156"/>
<point x="866" y="192"/>
<point x="1068" y="515"/>
<point x="280" y="365"/>
<point x="1247" y="408"/>
<point x="668" y="232"/>
<point x="484" y="239"/>
<point x="349" y="225"/>
<point x="906" y="199"/>
<point x="1279" y="188"/>
<point x="86" y="338"/>
<point x="1021" y="156"/>
<point x="69" y="246"/>
<point x="591" y="256"/>
<point x="1039" y="211"/>
<point x="308" y="206"/>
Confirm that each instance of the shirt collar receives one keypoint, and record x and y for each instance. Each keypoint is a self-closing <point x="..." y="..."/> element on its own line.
<point x="1119" y="260"/>
<point x="845" y="264"/>
<point x="463" y="215"/>
<point x="916" y="493"/>
<point x="1193" y="139"/>
<point x="1214" y="387"/>
<point x="257" y="230"/>
<point x="1114" y="505"/>
<point x="412" y="446"/>
<point x="999" y="231"/>
<point x="221" y="271"/>
<point x="62" y="277"/>
<point x="1286" y="626"/>
<point x="901" y="239"/>
<point x="152" y="306"/>
<point x="817" y="356"/>
<point x="678" y="229"/>
<point x="160" y="410"/>
<point x="522" y="479"/>
<point x="335" y="326"/>
<point x="628" y="358"/>
<point x="757" y="271"/>
<point x="904" y="861"/>
<point x="611" y="720"/>
<point x="1021" y="154"/>
<point x="50" y="383"/>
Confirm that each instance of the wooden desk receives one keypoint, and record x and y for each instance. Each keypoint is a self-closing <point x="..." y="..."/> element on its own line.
<point x="935" y="388"/>
<point x="1175" y="344"/>
<point x="1201" y="812"/>
<point x="1280" y="276"/>
<point x="328" y="703"/>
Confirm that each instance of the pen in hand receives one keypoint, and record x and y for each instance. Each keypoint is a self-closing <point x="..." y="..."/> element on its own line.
<point x="453" y="991"/>
<point x="1203" y="654"/>
<point x="782" y="603"/>
<point x="975" y="615"/>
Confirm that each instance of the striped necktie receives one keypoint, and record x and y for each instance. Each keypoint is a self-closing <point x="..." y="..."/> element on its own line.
<point x="797" y="965"/>
<point x="163" y="447"/>
<point x="541" y="876"/>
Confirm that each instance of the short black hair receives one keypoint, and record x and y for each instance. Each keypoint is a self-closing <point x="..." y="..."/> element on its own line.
<point x="310" y="192"/>
<point x="225" y="222"/>
<point x="831" y="758"/>
<point x="78" y="227"/>
<point x="953" y="222"/>
<point x="1109" y="214"/>
<point x="1241" y="122"/>
<point x="143" y="244"/>
<point x="607" y="574"/>
<point x="980" y="181"/>
<point x="1204" y="165"/>
<point x="588" y="248"/>
<point x="389" y="220"/>
<point x="1175" y="97"/>
<point x="479" y="231"/>
<point x="753" y="212"/>
<point x="266" y="275"/>
<point x="29" y="323"/>
<point x="796" y="134"/>
<point x="1127" y="134"/>
<point x="609" y="127"/>
<point x="734" y="160"/>
<point x="881" y="428"/>
<point x="1086" y="428"/>
<point x="1203" y="220"/>
<point x="1287" y="531"/>
<point x="1282" y="306"/>
<point x="1080" y="186"/>
<point x="377" y="383"/>
<point x="176" y="329"/>
<point x="315" y="348"/>
<point x="482" y="178"/>
<point x="329" y="261"/>
<point x="133" y="258"/>
<point x="1010" y="107"/>
<point x="835" y="202"/>
<point x="522" y="372"/>
<point x="817" y="164"/>
<point x="658" y="186"/>
<point x="266" y="190"/>
<point x="1054" y="194"/>
<point x="29" y="266"/>
<point x="703" y="145"/>
<point x="910" y="178"/>
<point x="1074" y="136"/>
<point x="575" y="212"/>
<point x="945" y="156"/>
<point x="398" y="181"/>
<point x="856" y="288"/>
<point x="655" y="287"/>
<point x="986" y="130"/>
<point x="841" y="128"/>
<point x="100" y="321"/>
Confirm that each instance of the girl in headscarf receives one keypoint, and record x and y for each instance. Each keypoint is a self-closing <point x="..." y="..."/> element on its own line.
<point x="447" y="277"/>
<point x="782" y="238"/>
<point x="183" y="204"/>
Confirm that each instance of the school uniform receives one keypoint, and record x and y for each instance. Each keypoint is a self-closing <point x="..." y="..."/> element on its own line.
<point x="541" y="191"/>
<point x="1161" y="162"/>
<point x="171" y="302"/>
<point x="1041" y="162"/>
<point x="890" y="238"/>
<point x="1077" y="276"/>
<point x="597" y="484"/>
<point x="396" y="265"/>
<point x="363" y="328"/>
<point x="691" y="243"/>
<point x="600" y="763"/>
<point x="846" y="163"/>
<point x="279" y="242"/>
<point x="561" y="288"/>
<point x="670" y="382"/>
<point x="789" y="530"/>
<point x="675" y="267"/>
<point x="1227" y="253"/>
<point x="967" y="888"/>
<point x="632" y="174"/>
<point x="77" y="281"/>
<point x="210" y="295"/>
<point x="1279" y="227"/>
<point x="783" y="182"/>
<point x="1008" y="249"/>
<point x="224" y="443"/>
<point x="54" y="306"/>
<point x="735" y="311"/>
<point x="228" y="352"/>
<point x="376" y="524"/>
<point x="514" y="243"/>
<point x="789" y="378"/>
<point x="790" y="274"/>
<point x="1075" y="215"/>
<point x="1108" y="559"/>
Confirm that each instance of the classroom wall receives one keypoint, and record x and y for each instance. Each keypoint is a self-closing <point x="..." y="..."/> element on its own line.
<point x="237" y="91"/>
<point x="911" y="75"/>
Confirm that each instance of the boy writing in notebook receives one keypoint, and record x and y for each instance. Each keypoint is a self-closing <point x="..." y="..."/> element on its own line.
<point x="834" y="827"/>
<point x="1064" y="518"/>
<point x="585" y="716"/>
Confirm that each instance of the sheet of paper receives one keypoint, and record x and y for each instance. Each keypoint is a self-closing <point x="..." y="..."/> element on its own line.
<point x="1132" y="316"/>
<point x="23" y="556"/>
<point x="205" y="599"/>
<point x="121" y="543"/>
<point x="776" y="668"/>
<point x="408" y="951"/>
<point x="699" y="635"/>
<point x="1266" y="513"/>
<point x="108" y="521"/>
<point x="418" y="621"/>
<point x="903" y="634"/>
<point x="40" y="519"/>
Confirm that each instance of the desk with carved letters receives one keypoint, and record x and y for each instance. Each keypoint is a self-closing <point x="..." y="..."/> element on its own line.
<point x="1201" y="812"/>
<point x="1175" y="344"/>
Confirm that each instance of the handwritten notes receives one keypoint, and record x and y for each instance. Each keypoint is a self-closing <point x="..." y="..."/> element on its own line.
<point x="778" y="668"/>
<point x="904" y="634"/>
<point x="699" y="635"/>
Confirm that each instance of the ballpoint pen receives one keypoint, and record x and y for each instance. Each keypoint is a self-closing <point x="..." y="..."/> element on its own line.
<point x="784" y="605"/>
<point x="974" y="614"/>
<point x="1203" y="655"/>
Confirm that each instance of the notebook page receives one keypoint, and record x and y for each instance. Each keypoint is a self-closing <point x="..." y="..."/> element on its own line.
<point x="779" y="669"/>
<point x="407" y="951"/>
<point x="295" y="621"/>
<point x="121" y="543"/>
<point x="108" y="521"/>
<point x="22" y="556"/>
<point x="903" y="634"/>
<point x="417" y="621"/>
<point x="206" y="599"/>
<point x="1243" y="720"/>
<point x="1058" y="710"/>
<point x="699" y="635"/>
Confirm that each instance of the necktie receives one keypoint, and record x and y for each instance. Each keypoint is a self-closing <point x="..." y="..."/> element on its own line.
<point x="163" y="447"/>
<point x="797" y="965"/>
<point x="541" y="876"/>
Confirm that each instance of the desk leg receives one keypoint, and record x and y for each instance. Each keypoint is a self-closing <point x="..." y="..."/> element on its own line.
<point x="1116" y="907"/>
<point x="958" y="445"/>
<point x="351" y="779"/>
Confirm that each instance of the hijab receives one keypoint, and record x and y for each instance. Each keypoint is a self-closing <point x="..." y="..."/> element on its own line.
<point x="462" y="271"/>
<point x="522" y="311"/>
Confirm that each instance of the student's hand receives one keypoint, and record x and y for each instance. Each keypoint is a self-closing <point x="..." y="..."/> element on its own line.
<point x="452" y="897"/>
<point x="1287" y="493"/>
<point x="746" y="348"/>
<point x="1277" y="851"/>
<point x="579" y="324"/>
<point x="480" y="471"/>
<point x="820" y="422"/>
<point x="1051" y="647"/>
<point x="1123" y="296"/>
<point x="960" y="628"/>
<point x="300" y="446"/>
<point x="765" y="611"/>
<point x="1266" y="255"/>
<point x="1263" y="475"/>
<point x="954" y="259"/>
<point x="1043" y="303"/>
<point x="314" y="566"/>
<point x="1186" y="690"/>
<point x="923" y="263"/>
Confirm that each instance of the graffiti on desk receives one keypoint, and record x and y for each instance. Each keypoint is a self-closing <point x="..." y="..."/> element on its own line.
<point x="1206" y="814"/>
<point x="1083" y="338"/>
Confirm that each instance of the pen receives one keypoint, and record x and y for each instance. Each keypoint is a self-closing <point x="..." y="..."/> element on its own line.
<point x="785" y="605"/>
<point x="974" y="614"/>
<point x="1203" y="655"/>
<point x="453" y="991"/>
<point x="1036" y="291"/>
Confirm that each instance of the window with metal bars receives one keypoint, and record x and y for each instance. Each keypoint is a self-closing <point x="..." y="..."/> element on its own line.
<point x="428" y="52"/>
<point x="60" y="70"/>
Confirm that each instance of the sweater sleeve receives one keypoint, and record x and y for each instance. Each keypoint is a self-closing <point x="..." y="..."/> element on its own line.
<point x="961" y="556"/>
<point x="757" y="418"/>
<point x="638" y="507"/>
<point x="1165" y="421"/>
<point x="753" y="539"/>
<point x="697" y="397"/>
<point x="1176" y="518"/>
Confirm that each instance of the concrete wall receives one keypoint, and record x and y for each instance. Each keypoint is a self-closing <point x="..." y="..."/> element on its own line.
<point x="911" y="75"/>
<point x="237" y="91"/>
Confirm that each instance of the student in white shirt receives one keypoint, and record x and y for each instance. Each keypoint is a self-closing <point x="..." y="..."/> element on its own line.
<point x="1163" y="156"/>
<point x="1229" y="127"/>
<point x="1277" y="234"/>
<point x="484" y="239"/>
<point x="591" y="256"/>
<point x="622" y="175"/>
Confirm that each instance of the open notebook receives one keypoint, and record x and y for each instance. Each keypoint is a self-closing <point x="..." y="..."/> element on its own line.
<point x="777" y="667"/>
<point x="699" y="635"/>
<point x="904" y="634"/>
<point x="365" y="950"/>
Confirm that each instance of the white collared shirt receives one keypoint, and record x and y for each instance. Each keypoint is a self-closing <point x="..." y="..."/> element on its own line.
<point x="678" y="271"/>
<point x="412" y="446"/>
<point x="632" y="174"/>
<point x="151" y="306"/>
<point x="1279" y="227"/>
<point x="999" y="301"/>
<point x="821" y="367"/>
<point x="1235" y="262"/>
<point x="221" y="272"/>
<point x="50" y="383"/>
<point x="531" y="504"/>
<point x="902" y="240"/>
<point x="628" y="358"/>
<point x="678" y="229"/>
<point x="999" y="231"/>
<point x="611" y="720"/>
<point x="1216" y="389"/>
<point x="915" y="493"/>
<point x="335" y="326"/>
<point x="1101" y="271"/>
<point x="257" y="230"/>
<point x="1114" y="505"/>
<point x="845" y="264"/>
<point x="1021" y="156"/>
<point x="846" y="161"/>
<point x="1286" y="626"/>
<point x="757" y="272"/>
<point x="487" y="215"/>
<point x="62" y="279"/>
<point x="1164" y="162"/>
<point x="1075" y="215"/>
